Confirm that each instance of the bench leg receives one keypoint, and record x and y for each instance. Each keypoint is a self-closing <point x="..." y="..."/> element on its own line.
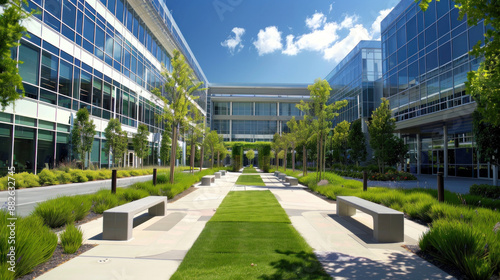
<point x="344" y="209"/>
<point x="158" y="209"/>
<point x="388" y="228"/>
<point x="117" y="226"/>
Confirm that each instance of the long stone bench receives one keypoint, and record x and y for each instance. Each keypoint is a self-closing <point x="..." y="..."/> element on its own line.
<point x="282" y="176"/>
<point x="276" y="173"/>
<point x="207" y="179"/>
<point x="118" y="221"/>
<point x="388" y="224"/>
<point x="292" y="180"/>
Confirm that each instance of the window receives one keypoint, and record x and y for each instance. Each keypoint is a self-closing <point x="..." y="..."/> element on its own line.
<point x="221" y="126"/>
<point x="65" y="75"/>
<point x="69" y="14"/>
<point x="444" y="53"/>
<point x="97" y="93"/>
<point x="85" y="87"/>
<point x="242" y="108"/>
<point x="88" y="30"/>
<point x="289" y="109"/>
<point x="460" y="45"/>
<point x="106" y="101"/>
<point x="265" y="109"/>
<point x="476" y="34"/>
<point x="49" y="71"/>
<point x="443" y="26"/>
<point x="28" y="70"/>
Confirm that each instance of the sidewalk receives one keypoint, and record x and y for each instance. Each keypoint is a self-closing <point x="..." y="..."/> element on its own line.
<point x="158" y="245"/>
<point x="343" y="245"/>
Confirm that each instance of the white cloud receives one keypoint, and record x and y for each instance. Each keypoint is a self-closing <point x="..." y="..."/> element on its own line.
<point x="316" y="21"/>
<point x="317" y="40"/>
<point x="234" y="43"/>
<point x="375" y="31"/>
<point x="291" y="47"/>
<point x="348" y="21"/>
<point x="341" y="48"/>
<point x="268" y="40"/>
<point x="331" y="8"/>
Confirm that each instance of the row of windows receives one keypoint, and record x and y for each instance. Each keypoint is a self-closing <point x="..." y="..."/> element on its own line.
<point x="247" y="127"/>
<point x="261" y="109"/>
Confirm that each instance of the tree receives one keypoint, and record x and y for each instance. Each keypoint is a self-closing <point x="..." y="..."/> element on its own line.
<point x="304" y="138"/>
<point x="116" y="143"/>
<point x="323" y="115"/>
<point x="250" y="156"/>
<point x="82" y="135"/>
<point x="178" y="109"/>
<point x="340" y="139"/>
<point x="285" y="144"/>
<point x="11" y="32"/>
<point x="357" y="143"/>
<point x="382" y="138"/>
<point x="484" y="84"/>
<point x="211" y="142"/>
<point x="165" y="146"/>
<point x="221" y="151"/>
<point x="293" y="138"/>
<point x="486" y="136"/>
<point x="140" y="142"/>
<point x="275" y="145"/>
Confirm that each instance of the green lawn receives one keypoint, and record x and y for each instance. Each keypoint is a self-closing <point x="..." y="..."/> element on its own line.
<point x="249" y="170"/>
<point x="250" y="180"/>
<point x="244" y="232"/>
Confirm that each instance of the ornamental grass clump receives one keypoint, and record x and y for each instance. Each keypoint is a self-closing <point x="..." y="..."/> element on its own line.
<point x="35" y="244"/>
<point x="130" y="194"/>
<point x="71" y="239"/>
<point x="55" y="212"/>
<point x="104" y="200"/>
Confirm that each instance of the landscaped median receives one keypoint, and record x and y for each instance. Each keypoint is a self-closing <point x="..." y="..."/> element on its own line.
<point x="464" y="230"/>
<point x="250" y="237"/>
<point x="250" y="180"/>
<point x="36" y="242"/>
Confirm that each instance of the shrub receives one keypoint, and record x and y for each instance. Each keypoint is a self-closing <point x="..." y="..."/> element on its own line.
<point x="136" y="172"/>
<point x="485" y="190"/>
<point x="35" y="244"/>
<point x="22" y="180"/>
<point x="63" y="177"/>
<point x="122" y="174"/>
<point x="81" y="206"/>
<point x="162" y="178"/>
<point x="104" y="200"/>
<point x="91" y="174"/>
<point x="78" y="176"/>
<point x="71" y="239"/>
<point x="47" y="178"/>
<point x="104" y="174"/>
<point x="460" y="245"/>
<point x="55" y="212"/>
<point x="130" y="194"/>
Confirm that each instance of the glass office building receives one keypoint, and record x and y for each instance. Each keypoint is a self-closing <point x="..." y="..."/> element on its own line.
<point x="356" y="79"/>
<point x="103" y="55"/>
<point x="425" y="65"/>
<point x="254" y="112"/>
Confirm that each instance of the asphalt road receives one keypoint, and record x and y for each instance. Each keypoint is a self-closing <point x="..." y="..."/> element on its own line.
<point x="26" y="199"/>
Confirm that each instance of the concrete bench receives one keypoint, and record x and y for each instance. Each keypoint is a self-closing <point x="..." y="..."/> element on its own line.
<point x="276" y="173"/>
<point x="282" y="176"/>
<point x="223" y="172"/>
<point x="206" y="180"/>
<point x="217" y="175"/>
<point x="118" y="221"/>
<point x="388" y="224"/>
<point x="292" y="180"/>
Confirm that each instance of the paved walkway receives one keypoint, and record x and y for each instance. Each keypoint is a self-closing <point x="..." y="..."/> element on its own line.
<point x="343" y="245"/>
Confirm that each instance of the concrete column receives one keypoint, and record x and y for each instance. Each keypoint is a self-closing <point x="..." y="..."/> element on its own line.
<point x="419" y="153"/>
<point x="445" y="150"/>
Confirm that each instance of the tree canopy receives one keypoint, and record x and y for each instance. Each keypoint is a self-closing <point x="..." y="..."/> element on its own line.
<point x="357" y="143"/>
<point x="82" y="135"/>
<point x="116" y="140"/>
<point x="140" y="142"/>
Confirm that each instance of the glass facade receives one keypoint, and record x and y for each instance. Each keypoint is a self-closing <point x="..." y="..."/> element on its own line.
<point x="355" y="79"/>
<point x="99" y="55"/>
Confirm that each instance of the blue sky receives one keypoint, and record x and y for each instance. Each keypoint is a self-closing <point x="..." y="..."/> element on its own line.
<point x="275" y="41"/>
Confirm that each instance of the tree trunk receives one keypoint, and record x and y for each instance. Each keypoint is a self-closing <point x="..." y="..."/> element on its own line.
<point x="284" y="159"/>
<point x="304" y="160"/>
<point x="276" y="160"/>
<point x="293" y="158"/>
<point x="202" y="155"/>
<point x="173" y="152"/>
<point x="218" y="159"/>
<point x="193" y="153"/>
<point x="213" y="159"/>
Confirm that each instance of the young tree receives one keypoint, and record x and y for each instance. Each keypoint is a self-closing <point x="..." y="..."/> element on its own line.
<point x="293" y="138"/>
<point x="484" y="84"/>
<point x="179" y="86"/>
<point x="195" y="132"/>
<point x="323" y="116"/>
<point x="381" y="129"/>
<point x="357" y="142"/>
<point x="11" y="32"/>
<point x="275" y="145"/>
<point x="250" y="156"/>
<point x="340" y="139"/>
<point x="165" y="146"/>
<point x="82" y="135"/>
<point x="140" y="142"/>
<point x="115" y="142"/>
<point x="486" y="136"/>
<point x="211" y="142"/>
<point x="304" y="137"/>
<point x="221" y="151"/>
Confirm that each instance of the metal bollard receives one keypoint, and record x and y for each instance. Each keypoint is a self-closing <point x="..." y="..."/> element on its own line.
<point x="113" y="181"/>
<point x="365" y="181"/>
<point x="440" y="185"/>
<point x="154" y="176"/>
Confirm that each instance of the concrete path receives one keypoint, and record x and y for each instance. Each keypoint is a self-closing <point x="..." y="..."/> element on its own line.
<point x="344" y="246"/>
<point x="158" y="246"/>
<point x="26" y="199"/>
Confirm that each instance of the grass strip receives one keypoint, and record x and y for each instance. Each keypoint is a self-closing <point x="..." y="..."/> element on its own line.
<point x="249" y="170"/>
<point x="241" y="234"/>
<point x="250" y="180"/>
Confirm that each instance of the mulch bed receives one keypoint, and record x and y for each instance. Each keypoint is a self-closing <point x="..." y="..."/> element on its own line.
<point x="57" y="259"/>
